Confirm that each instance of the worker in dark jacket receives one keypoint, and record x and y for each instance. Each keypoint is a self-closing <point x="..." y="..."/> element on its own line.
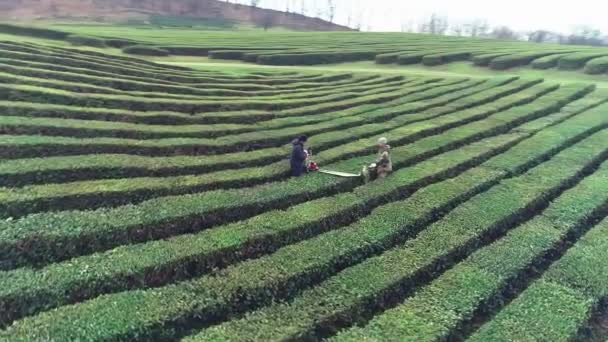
<point x="298" y="156"/>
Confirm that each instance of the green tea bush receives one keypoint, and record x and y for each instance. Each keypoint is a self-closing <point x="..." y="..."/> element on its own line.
<point x="597" y="66"/>
<point x="145" y="50"/>
<point x="77" y="40"/>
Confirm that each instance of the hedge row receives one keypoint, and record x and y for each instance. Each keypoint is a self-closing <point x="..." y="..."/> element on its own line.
<point x="213" y="297"/>
<point x="214" y="248"/>
<point x="388" y="58"/>
<point x="79" y="40"/>
<point x="559" y="306"/>
<point x="547" y="62"/>
<point x="41" y="70"/>
<point x="12" y="79"/>
<point x="171" y="166"/>
<point x="130" y="71"/>
<point x="97" y="69"/>
<point x="86" y="72"/>
<point x="144" y="50"/>
<point x="307" y="115"/>
<point x="158" y="68"/>
<point x="54" y="96"/>
<point x="304" y="319"/>
<point x="43" y="110"/>
<point x="509" y="108"/>
<point x="330" y="138"/>
<point x="33" y="32"/>
<point x="113" y="192"/>
<point x="92" y="128"/>
<point x="577" y="60"/>
<point x="110" y="66"/>
<point x="77" y="84"/>
<point x="230" y="54"/>
<point x="108" y="166"/>
<point x="93" y="56"/>
<point x="185" y="50"/>
<point x="518" y="59"/>
<point x="117" y="58"/>
<point x="370" y="96"/>
<point x="441" y="310"/>
<point x="227" y="116"/>
<point x="446" y="57"/>
<point x="316" y="58"/>
<point x="261" y="134"/>
<point x="597" y="66"/>
<point x="366" y="288"/>
<point x="36" y="52"/>
<point x="413" y="57"/>
<point x="486" y="59"/>
<point x="267" y="195"/>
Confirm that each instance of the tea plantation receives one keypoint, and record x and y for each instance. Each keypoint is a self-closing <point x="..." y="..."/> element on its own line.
<point x="142" y="202"/>
<point x="314" y="48"/>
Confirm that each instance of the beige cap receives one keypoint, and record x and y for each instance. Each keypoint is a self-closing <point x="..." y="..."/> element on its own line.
<point x="383" y="141"/>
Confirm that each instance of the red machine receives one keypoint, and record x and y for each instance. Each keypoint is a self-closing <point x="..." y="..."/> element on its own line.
<point x="313" y="167"/>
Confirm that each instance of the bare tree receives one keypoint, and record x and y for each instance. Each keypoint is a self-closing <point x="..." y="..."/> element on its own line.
<point x="358" y="21"/>
<point x="266" y="21"/>
<point x="457" y="30"/>
<point x="477" y="28"/>
<point x="349" y="19"/>
<point x="407" y="26"/>
<point x="539" y="36"/>
<point x="331" y="10"/>
<point x="585" y="35"/>
<point x="254" y="3"/>
<point x="504" y="32"/>
<point x="435" y="25"/>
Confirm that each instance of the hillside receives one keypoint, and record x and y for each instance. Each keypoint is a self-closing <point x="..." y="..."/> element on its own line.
<point x="121" y="10"/>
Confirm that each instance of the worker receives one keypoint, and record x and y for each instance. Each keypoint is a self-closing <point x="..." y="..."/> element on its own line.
<point x="298" y="156"/>
<point x="383" y="165"/>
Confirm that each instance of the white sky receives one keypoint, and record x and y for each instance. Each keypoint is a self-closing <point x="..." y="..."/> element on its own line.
<point x="521" y="15"/>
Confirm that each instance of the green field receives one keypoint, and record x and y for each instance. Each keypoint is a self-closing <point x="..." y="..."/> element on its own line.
<point x="144" y="201"/>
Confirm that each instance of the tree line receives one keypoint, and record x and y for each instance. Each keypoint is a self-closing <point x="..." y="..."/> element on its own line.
<point x="437" y="24"/>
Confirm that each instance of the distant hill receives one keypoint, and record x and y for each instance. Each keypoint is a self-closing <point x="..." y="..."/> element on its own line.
<point x="146" y="10"/>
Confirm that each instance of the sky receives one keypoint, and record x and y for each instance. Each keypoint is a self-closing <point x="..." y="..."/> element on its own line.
<point x="521" y="15"/>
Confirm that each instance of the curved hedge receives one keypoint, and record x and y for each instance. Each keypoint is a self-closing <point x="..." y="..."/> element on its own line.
<point x="443" y="58"/>
<point x="485" y="59"/>
<point x="315" y="58"/>
<point x="577" y="60"/>
<point x="388" y="58"/>
<point x="120" y="43"/>
<point x="515" y="60"/>
<point x="547" y="62"/>
<point x="145" y="50"/>
<point x="33" y="32"/>
<point x="597" y="66"/>
<point x="78" y="40"/>
<point x="227" y="54"/>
